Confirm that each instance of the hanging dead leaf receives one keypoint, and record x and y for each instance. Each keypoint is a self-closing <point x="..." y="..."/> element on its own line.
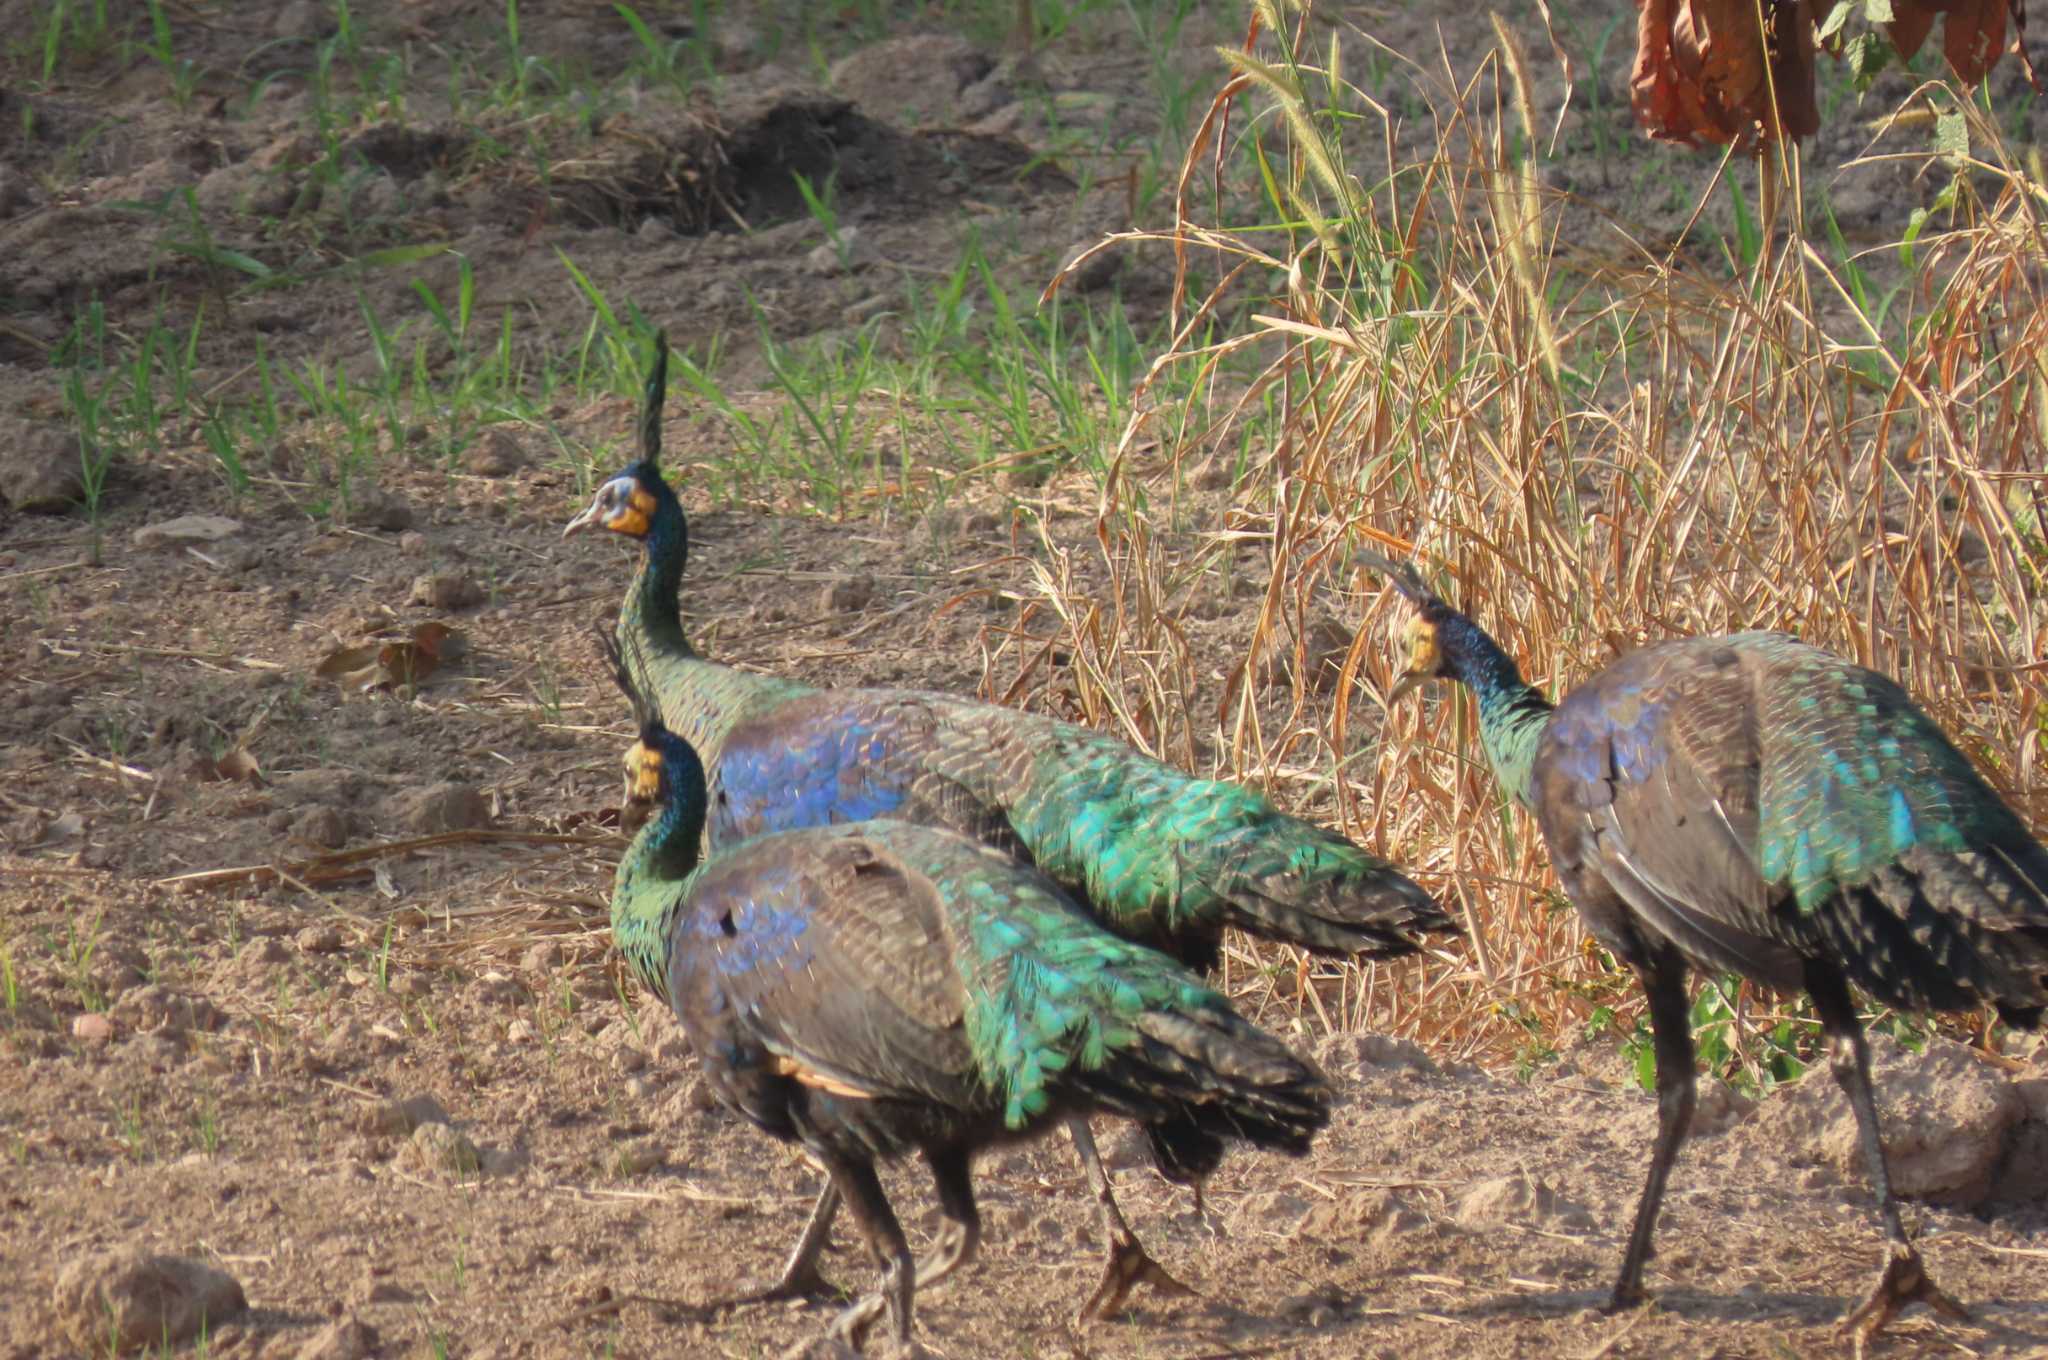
<point x="1707" y="73"/>
<point x="1973" y="37"/>
<point x="1912" y="21"/>
<point x="1974" y="33"/>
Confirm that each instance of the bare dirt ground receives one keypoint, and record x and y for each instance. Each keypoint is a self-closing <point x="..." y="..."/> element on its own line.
<point x="411" y="1090"/>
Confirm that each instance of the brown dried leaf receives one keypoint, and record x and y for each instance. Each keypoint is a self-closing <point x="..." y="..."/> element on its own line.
<point x="237" y="766"/>
<point x="405" y="663"/>
<point x="347" y="663"/>
<point x="387" y="665"/>
<point x="1706" y="73"/>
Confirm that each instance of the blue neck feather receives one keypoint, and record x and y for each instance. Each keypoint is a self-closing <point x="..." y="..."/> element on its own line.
<point x="1512" y="713"/>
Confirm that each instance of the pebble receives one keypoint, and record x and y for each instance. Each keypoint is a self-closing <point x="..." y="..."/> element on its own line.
<point x="127" y="1299"/>
<point x="440" y="1147"/>
<point x="848" y="596"/>
<point x="324" y="827"/>
<point x="495" y="454"/>
<point x="446" y="590"/>
<point x="173" y="533"/>
<point x="39" y="467"/>
<point x="400" y="1118"/>
<point x="347" y="1338"/>
<point x="319" y="939"/>
<point x="441" y="807"/>
<point x="93" y="1028"/>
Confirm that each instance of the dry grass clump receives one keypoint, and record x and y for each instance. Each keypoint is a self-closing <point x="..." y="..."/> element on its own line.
<point x="1591" y="439"/>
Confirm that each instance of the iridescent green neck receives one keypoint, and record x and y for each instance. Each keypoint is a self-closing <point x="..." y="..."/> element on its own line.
<point x="647" y="890"/>
<point x="1512" y="713"/>
<point x="653" y="601"/>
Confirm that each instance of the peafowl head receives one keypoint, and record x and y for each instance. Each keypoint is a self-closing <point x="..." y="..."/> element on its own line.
<point x="662" y="770"/>
<point x="631" y="502"/>
<point x="1422" y="625"/>
<point x="626" y="504"/>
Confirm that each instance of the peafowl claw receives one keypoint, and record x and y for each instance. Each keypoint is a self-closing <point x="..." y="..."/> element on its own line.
<point x="1129" y="1266"/>
<point x="1905" y="1280"/>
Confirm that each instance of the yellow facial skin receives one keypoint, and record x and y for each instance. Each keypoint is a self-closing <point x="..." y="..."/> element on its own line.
<point x="1424" y="656"/>
<point x="621" y="505"/>
<point x="634" y="517"/>
<point x="643" y="772"/>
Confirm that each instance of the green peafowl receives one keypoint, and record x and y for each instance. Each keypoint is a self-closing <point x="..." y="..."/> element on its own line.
<point x="1753" y="804"/>
<point x="1158" y="856"/>
<point x="875" y="988"/>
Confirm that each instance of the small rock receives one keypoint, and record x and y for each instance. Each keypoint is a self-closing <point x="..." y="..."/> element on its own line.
<point x="373" y="1290"/>
<point x="520" y="1032"/>
<point x="913" y="80"/>
<point x="324" y="827"/>
<point x="859" y="313"/>
<point x="446" y="590"/>
<point x="2023" y="1179"/>
<point x="402" y="1118"/>
<point x="39" y="468"/>
<point x="821" y="1348"/>
<point x="1374" y="1214"/>
<point x="319" y="939"/>
<point x="441" y="807"/>
<point x="380" y="510"/>
<point x="157" y="1052"/>
<point x="494" y="455"/>
<point x="300" y="19"/>
<point x="343" y="1339"/>
<point x="157" y="1009"/>
<point x="264" y="951"/>
<point x="1520" y="1199"/>
<point x="412" y="543"/>
<point x="1099" y="271"/>
<point x="847" y="596"/>
<point x="18" y="193"/>
<point x="544" y="957"/>
<point x="130" y="1299"/>
<point x="641" y="1155"/>
<point x="440" y="1148"/>
<point x="175" y="533"/>
<point x="837" y="256"/>
<point x="93" y="1028"/>
<point x="1720" y="1108"/>
<point x="1946" y="1119"/>
<point x="1343" y="1051"/>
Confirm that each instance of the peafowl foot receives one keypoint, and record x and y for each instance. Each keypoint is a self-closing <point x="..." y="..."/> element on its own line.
<point x="1129" y="1266"/>
<point x="802" y="1282"/>
<point x="1627" y="1294"/>
<point x="1905" y="1280"/>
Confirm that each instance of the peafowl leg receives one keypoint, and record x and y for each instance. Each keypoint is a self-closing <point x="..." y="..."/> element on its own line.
<point x="1663" y="979"/>
<point x="862" y="1191"/>
<point x="1904" y="1279"/>
<point x="1129" y="1264"/>
<point x="800" y="1278"/>
<point x="958" y="1241"/>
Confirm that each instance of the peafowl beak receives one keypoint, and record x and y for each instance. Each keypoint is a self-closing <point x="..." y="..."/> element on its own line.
<point x="584" y="520"/>
<point x="1409" y="682"/>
